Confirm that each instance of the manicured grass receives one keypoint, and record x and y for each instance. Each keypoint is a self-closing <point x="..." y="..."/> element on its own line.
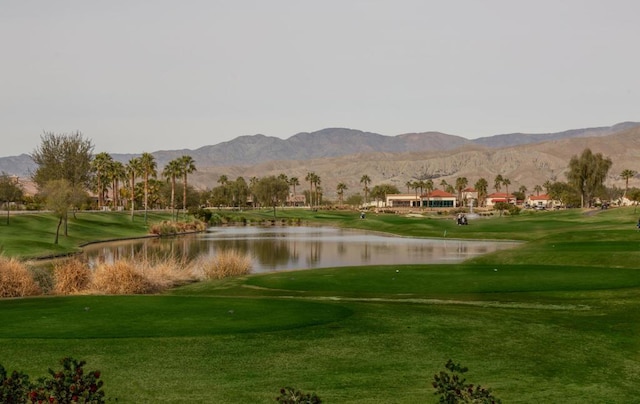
<point x="33" y="235"/>
<point x="555" y="320"/>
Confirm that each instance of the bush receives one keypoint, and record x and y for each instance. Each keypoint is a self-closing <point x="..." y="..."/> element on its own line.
<point x="453" y="389"/>
<point x="13" y="388"/>
<point x="70" y="385"/>
<point x="16" y="280"/>
<point x="169" y="228"/>
<point x="289" y="395"/>
<point x="121" y="278"/>
<point x="71" y="276"/>
<point x="223" y="265"/>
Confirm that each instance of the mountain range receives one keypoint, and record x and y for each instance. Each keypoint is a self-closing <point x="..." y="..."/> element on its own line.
<point x="344" y="155"/>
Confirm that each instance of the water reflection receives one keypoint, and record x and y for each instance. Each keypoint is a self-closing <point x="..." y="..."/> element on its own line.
<point x="284" y="248"/>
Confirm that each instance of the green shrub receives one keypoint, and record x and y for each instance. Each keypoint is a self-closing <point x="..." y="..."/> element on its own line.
<point x="69" y="385"/>
<point x="289" y="395"/>
<point x="13" y="388"/>
<point x="452" y="387"/>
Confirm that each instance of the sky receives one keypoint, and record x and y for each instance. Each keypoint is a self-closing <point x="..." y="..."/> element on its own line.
<point x="137" y="75"/>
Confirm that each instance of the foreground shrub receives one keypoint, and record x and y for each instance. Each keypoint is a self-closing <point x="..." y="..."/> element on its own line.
<point x="121" y="278"/>
<point x="13" y="388"/>
<point x="224" y="264"/>
<point x="71" y="276"/>
<point x="452" y="387"/>
<point x="16" y="280"/>
<point x="289" y="395"/>
<point x="69" y="385"/>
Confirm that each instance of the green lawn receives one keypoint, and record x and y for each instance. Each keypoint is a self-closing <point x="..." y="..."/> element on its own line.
<point x="555" y="320"/>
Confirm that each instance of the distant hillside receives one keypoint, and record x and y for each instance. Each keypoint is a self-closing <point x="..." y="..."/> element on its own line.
<point x="515" y="139"/>
<point x="338" y="154"/>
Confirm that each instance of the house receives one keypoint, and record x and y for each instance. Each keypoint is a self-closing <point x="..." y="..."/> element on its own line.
<point x="541" y="202"/>
<point x="403" y="201"/>
<point x="434" y="199"/>
<point x="439" y="199"/>
<point x="496" y="197"/>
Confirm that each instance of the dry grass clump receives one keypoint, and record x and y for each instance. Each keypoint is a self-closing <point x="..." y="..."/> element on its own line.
<point x="121" y="278"/>
<point x="71" y="276"/>
<point x="166" y="272"/>
<point x="168" y="227"/>
<point x="16" y="279"/>
<point x="225" y="264"/>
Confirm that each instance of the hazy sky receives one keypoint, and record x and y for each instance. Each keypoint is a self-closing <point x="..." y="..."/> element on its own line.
<point x="136" y="76"/>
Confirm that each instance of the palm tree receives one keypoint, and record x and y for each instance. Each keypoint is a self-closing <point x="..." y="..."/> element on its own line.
<point x="188" y="165"/>
<point x="340" y="188"/>
<point x="133" y="169"/>
<point x="416" y="186"/>
<point x="444" y="184"/>
<point x="626" y="175"/>
<point x="148" y="165"/>
<point x="547" y="185"/>
<point x="481" y="186"/>
<point x="116" y="173"/>
<point x="100" y="165"/>
<point x="171" y="171"/>
<point x="408" y="184"/>
<point x="316" y="182"/>
<point x="310" y="178"/>
<point x="294" y="182"/>
<point x="537" y="189"/>
<point x="506" y="182"/>
<point x="428" y="187"/>
<point x="461" y="183"/>
<point x="365" y="180"/>
<point x="497" y="182"/>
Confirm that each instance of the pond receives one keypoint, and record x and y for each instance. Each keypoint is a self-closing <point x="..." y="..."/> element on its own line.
<point x="276" y="248"/>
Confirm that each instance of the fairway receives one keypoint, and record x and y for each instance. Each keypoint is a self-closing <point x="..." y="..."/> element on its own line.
<point x="555" y="320"/>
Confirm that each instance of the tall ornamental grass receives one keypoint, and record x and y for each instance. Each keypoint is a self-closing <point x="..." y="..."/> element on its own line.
<point x="71" y="277"/>
<point x="225" y="264"/>
<point x="16" y="280"/>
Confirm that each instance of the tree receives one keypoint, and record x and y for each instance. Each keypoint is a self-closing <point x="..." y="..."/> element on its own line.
<point x="365" y="180"/>
<point x="626" y="175"/>
<point x="171" y="171"/>
<point x="188" y="167"/>
<point x="116" y="173"/>
<point x="537" y="189"/>
<point x="340" y="188"/>
<point x="481" y="186"/>
<point x="294" y="182"/>
<point x="133" y="170"/>
<point x="444" y="184"/>
<point x="380" y="192"/>
<point x="100" y="168"/>
<point x="272" y="191"/>
<point x="497" y="182"/>
<point x="58" y="194"/>
<point x="148" y="167"/>
<point x="565" y="193"/>
<point x="587" y="173"/>
<point x="310" y="178"/>
<point x="506" y="182"/>
<point x="461" y="183"/>
<point x="428" y="187"/>
<point x="10" y="191"/>
<point x="64" y="157"/>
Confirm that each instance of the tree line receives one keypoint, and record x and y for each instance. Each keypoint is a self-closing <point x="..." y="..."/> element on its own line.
<point x="68" y="171"/>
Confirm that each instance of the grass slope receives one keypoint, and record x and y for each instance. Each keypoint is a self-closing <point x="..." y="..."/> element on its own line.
<point x="556" y="320"/>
